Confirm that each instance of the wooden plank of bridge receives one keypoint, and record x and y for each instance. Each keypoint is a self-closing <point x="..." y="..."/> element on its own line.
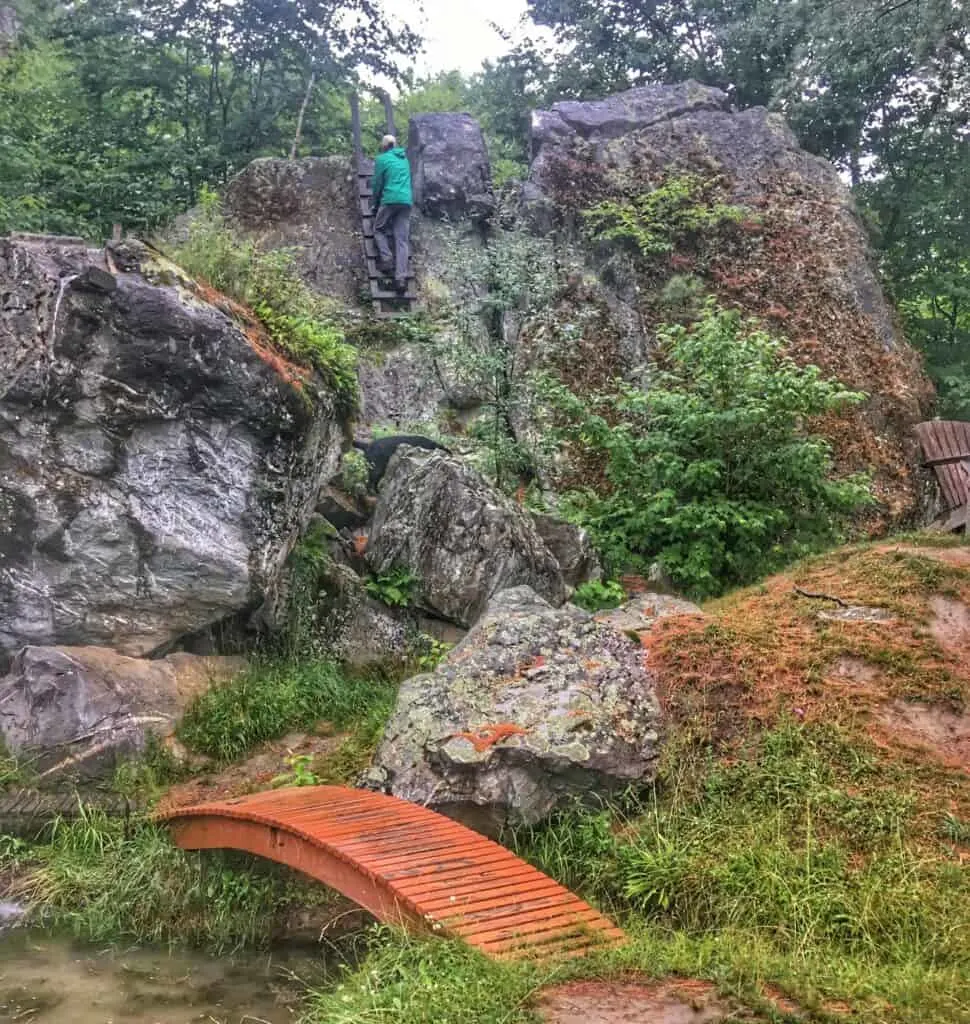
<point x="406" y="865"/>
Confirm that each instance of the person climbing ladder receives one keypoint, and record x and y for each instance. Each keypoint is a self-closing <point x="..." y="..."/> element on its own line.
<point x="391" y="188"/>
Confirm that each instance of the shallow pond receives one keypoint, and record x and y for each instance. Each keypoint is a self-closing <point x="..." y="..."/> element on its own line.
<point x="46" y="980"/>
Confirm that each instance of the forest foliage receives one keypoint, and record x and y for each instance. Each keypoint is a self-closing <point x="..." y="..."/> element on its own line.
<point x="113" y="111"/>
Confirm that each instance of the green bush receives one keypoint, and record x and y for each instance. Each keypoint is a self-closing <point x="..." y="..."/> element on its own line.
<point x="354" y="473"/>
<point x="713" y="471"/>
<point x="596" y="595"/>
<point x="302" y="324"/>
<point x="653" y="223"/>
<point x="271" y="699"/>
<point x="394" y="588"/>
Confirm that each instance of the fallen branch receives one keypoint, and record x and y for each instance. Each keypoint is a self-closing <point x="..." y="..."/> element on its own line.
<point x="820" y="597"/>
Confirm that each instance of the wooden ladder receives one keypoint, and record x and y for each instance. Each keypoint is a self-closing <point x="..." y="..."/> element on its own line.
<point x="388" y="302"/>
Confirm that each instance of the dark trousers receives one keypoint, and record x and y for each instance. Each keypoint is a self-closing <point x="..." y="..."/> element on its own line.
<point x="393" y="221"/>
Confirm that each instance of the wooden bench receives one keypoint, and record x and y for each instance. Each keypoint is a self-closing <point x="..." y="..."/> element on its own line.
<point x="946" y="450"/>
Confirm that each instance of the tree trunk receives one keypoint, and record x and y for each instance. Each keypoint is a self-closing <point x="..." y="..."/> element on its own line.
<point x="311" y="81"/>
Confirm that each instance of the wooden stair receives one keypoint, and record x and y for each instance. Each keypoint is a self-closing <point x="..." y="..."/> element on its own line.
<point x="387" y="301"/>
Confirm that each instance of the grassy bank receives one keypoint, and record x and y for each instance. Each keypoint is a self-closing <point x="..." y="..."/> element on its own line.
<point x="104" y="880"/>
<point x="273" y="698"/>
<point x="804" y="849"/>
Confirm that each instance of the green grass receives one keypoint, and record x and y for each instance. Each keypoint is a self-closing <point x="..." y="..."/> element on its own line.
<point x="806" y="864"/>
<point x="273" y="698"/>
<point x="13" y="772"/>
<point x="411" y="981"/>
<point x="102" y="880"/>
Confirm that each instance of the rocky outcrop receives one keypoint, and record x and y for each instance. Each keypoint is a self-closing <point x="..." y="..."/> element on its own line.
<point x="571" y="547"/>
<point x="450" y="167"/>
<point x="156" y="461"/>
<point x="308" y="206"/>
<point x="535" y="707"/>
<point x="462" y="540"/>
<point x="800" y="261"/>
<point x="74" y="711"/>
<point x="643" y="612"/>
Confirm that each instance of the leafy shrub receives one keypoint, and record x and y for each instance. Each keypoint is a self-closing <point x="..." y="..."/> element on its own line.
<point x="426" y="653"/>
<point x="354" y="473"/>
<point x="301" y="323"/>
<point x="596" y="594"/>
<point x="712" y="471"/>
<point x="269" y="700"/>
<point x="394" y="588"/>
<point x="653" y="223"/>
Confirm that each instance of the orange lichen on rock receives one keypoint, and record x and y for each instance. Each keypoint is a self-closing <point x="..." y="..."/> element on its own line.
<point x="488" y="735"/>
<point x="256" y="334"/>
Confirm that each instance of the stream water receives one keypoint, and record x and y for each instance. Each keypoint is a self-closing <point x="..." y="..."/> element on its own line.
<point x="46" y="980"/>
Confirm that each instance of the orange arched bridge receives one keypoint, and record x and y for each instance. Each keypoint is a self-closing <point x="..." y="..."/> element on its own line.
<point x="405" y="864"/>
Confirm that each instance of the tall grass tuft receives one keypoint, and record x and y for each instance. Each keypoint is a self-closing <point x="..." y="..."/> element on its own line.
<point x="300" y="322"/>
<point x="431" y="981"/>
<point x="272" y="698"/>
<point x="104" y="880"/>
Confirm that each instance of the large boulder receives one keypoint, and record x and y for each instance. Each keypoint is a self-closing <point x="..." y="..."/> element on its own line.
<point x="309" y="207"/>
<point x="461" y="539"/>
<point x="157" y="461"/>
<point x="571" y="547"/>
<point x="537" y="706"/>
<point x="74" y="711"/>
<point x="449" y="167"/>
<point x="800" y="260"/>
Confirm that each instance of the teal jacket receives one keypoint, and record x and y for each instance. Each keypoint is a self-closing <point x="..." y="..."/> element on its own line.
<point x="392" y="178"/>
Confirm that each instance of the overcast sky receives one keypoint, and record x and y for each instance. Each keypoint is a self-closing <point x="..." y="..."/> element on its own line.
<point x="457" y="33"/>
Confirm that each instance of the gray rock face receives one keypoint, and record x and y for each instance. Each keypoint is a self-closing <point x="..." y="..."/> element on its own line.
<point x="308" y="206"/>
<point x="449" y="166"/>
<point x="462" y="539"/>
<point x="690" y="126"/>
<point x="622" y="113"/>
<point x="571" y="547"/>
<point x="154" y="469"/>
<point x="800" y="260"/>
<point x="73" y="711"/>
<point x="643" y="612"/>
<point x="535" y="707"/>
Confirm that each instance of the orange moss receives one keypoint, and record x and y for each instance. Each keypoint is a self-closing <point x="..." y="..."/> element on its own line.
<point x="257" y="335"/>
<point x="766" y="653"/>
<point x="489" y="735"/>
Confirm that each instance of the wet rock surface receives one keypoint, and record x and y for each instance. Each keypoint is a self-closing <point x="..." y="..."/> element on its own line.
<point x="72" y="712"/>
<point x="535" y="707"/>
<point x="644" y="611"/>
<point x="308" y="206"/>
<point x="155" y="466"/>
<point x="450" y="168"/>
<point x="461" y="539"/>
